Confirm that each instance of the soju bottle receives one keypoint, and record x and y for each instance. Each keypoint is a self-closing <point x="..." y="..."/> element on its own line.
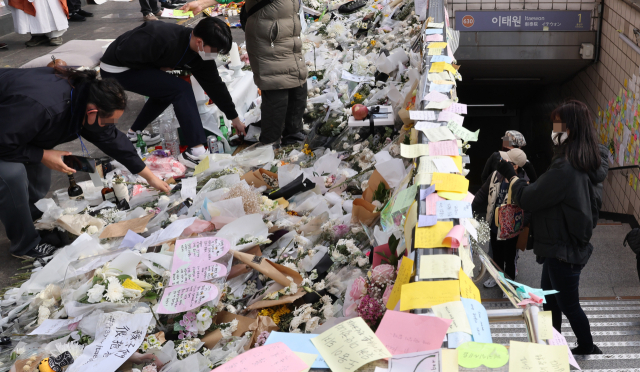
<point x="141" y="144"/>
<point x="224" y="129"/>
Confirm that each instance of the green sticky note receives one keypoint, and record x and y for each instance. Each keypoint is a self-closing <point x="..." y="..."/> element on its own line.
<point x="463" y="132"/>
<point x="182" y="13"/>
<point x="405" y="198"/>
<point x="475" y="354"/>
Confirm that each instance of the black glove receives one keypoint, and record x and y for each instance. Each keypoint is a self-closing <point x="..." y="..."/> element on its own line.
<point x="506" y="169"/>
<point x="530" y="171"/>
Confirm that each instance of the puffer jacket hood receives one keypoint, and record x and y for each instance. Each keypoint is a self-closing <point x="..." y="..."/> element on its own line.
<point x="601" y="174"/>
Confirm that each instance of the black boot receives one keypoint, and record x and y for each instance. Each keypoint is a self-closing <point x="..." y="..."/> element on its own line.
<point x="584" y="351"/>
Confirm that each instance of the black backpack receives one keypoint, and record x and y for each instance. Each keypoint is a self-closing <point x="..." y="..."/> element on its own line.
<point x="633" y="238"/>
<point x="245" y="14"/>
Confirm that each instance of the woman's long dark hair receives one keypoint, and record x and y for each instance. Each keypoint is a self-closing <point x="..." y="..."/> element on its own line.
<point x="106" y="94"/>
<point x="581" y="146"/>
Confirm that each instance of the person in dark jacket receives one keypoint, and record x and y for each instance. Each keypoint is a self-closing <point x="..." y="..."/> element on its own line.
<point x="512" y="140"/>
<point x="42" y="108"/>
<point x="563" y="203"/>
<point x="138" y="59"/>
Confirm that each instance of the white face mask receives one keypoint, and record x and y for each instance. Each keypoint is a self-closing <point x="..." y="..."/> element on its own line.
<point x="562" y="138"/>
<point x="207" y="56"/>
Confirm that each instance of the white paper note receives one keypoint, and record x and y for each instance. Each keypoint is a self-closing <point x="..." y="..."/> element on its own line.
<point x="445" y="165"/>
<point x="51" y="326"/>
<point x="422" y="115"/>
<point x="189" y="187"/>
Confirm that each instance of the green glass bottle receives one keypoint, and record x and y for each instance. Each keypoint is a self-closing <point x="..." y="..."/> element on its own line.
<point x="141" y="144"/>
<point x="224" y="129"/>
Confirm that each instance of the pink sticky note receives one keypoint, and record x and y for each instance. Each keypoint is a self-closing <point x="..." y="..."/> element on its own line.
<point x="528" y="301"/>
<point x="450" y="116"/>
<point x="431" y="200"/>
<point x="193" y="260"/>
<point x="435" y="37"/>
<point x="535" y="298"/>
<point x="448" y="148"/>
<point x="457" y="108"/>
<point x="469" y="198"/>
<point x="276" y="357"/>
<point x="454" y="236"/>
<point x="558" y="339"/>
<point x="186" y="297"/>
<point x="405" y="333"/>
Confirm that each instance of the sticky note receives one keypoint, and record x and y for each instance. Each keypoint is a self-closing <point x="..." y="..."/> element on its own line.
<point x="422" y="115"/>
<point x="202" y="166"/>
<point x="445" y="165"/>
<point x="422" y="295"/>
<point x="468" y="289"/>
<point x="404" y="333"/>
<point x="440" y="58"/>
<point x="414" y="151"/>
<point x="432" y="236"/>
<point x="475" y="354"/>
<point x="527" y="356"/>
<point x="349" y="345"/>
<point x="432" y="31"/>
<point x="426" y="192"/>
<point x="422" y="179"/>
<point x="457" y="108"/>
<point x="298" y="342"/>
<point x="454" y="237"/>
<point x="447" y="117"/>
<point x="453" y="209"/>
<point x="403" y="277"/>
<point x="467" y="262"/>
<point x="463" y="132"/>
<point x="439" y="105"/>
<point x="437" y="67"/>
<point x="453" y="310"/>
<point x="439" y="266"/>
<point x="409" y="223"/>
<point x="444" y="88"/>
<point x="455" y="339"/>
<point x="435" y="97"/>
<point x="478" y="320"/>
<point x="450" y="68"/>
<point x="450" y="182"/>
<point x="451" y="195"/>
<point x="405" y="198"/>
<point x="182" y="13"/>
<point x="308" y="359"/>
<point x="270" y="358"/>
<point x="449" y="148"/>
<point x="426" y="221"/>
<point x="558" y="339"/>
<point x="449" y="360"/>
<point x="431" y="201"/>
<point x="434" y="52"/>
<point x="545" y="325"/>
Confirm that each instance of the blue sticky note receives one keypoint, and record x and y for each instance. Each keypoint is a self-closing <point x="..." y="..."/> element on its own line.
<point x="426" y="192"/>
<point x="432" y="31"/>
<point x="442" y="88"/>
<point x="300" y="342"/>
<point x="424" y="221"/>
<point x="131" y="239"/>
<point x="524" y="290"/>
<point x="478" y="320"/>
<point x="441" y="59"/>
<point x="456" y="339"/>
<point x="453" y="209"/>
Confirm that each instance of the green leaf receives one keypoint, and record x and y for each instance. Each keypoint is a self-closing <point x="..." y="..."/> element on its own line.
<point x="123" y="277"/>
<point x="151" y="295"/>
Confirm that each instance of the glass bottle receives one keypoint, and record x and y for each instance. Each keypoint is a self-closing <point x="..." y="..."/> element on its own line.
<point x="140" y="143"/>
<point x="107" y="193"/>
<point x="74" y="190"/>
<point x="224" y="129"/>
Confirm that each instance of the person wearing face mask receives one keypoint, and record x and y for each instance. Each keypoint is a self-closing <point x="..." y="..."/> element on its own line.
<point x="564" y="204"/>
<point x="512" y="140"/>
<point x="138" y="60"/>
<point x="42" y="108"/>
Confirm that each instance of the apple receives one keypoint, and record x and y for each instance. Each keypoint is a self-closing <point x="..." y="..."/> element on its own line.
<point x="359" y="111"/>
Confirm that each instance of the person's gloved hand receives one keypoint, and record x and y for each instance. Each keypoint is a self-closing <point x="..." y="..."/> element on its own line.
<point x="530" y="171"/>
<point x="506" y="169"/>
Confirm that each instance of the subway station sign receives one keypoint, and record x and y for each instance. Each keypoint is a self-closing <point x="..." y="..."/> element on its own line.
<point x="527" y="20"/>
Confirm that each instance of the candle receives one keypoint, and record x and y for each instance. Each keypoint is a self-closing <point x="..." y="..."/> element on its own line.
<point x="234" y="56"/>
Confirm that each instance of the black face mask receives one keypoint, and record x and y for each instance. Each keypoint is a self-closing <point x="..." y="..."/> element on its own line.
<point x="95" y="127"/>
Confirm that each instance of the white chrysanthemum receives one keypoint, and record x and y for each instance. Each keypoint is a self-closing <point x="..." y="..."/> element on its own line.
<point x="360" y="65"/>
<point x="295" y="323"/>
<point x="43" y="314"/>
<point x="204" y="315"/>
<point x="72" y="347"/>
<point x="328" y="311"/>
<point x="337" y="28"/>
<point x="362" y="261"/>
<point x="95" y="293"/>
<point x="319" y="285"/>
<point x="92" y="230"/>
<point x="115" y="291"/>
<point x="312" y="324"/>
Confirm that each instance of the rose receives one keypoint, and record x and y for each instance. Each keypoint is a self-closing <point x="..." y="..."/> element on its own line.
<point x="358" y="289"/>
<point x="382" y="273"/>
<point x="387" y="293"/>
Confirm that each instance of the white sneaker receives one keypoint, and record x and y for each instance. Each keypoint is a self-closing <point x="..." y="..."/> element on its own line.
<point x="191" y="161"/>
<point x="150" y="139"/>
<point x="490" y="283"/>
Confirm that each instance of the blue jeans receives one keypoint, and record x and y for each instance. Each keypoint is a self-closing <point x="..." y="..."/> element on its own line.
<point x="565" y="278"/>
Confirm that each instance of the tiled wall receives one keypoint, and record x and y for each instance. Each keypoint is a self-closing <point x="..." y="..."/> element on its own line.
<point x="619" y="196"/>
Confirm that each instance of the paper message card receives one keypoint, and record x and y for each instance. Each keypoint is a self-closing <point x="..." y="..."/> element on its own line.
<point x="435" y="97"/>
<point x="350" y="345"/>
<point x="422" y="179"/>
<point x="476" y="354"/>
<point x="437" y="67"/>
<point x="444" y="88"/>
<point x="440" y="266"/>
<point x="440" y="45"/>
<point x="451" y="195"/>
<point x="457" y="108"/>
<point x="426" y="192"/>
<point x="449" y="360"/>
<point x="51" y="326"/>
<point x="118" y="336"/>
<point x="298" y="342"/>
<point x="448" y="116"/>
<point x="463" y="132"/>
<point x="419" y="361"/>
<point x="478" y="320"/>
<point x="434" y="38"/>
<point x="308" y="359"/>
<point x="405" y="333"/>
<point x="431" y="202"/>
<point x="432" y="236"/>
<point x="202" y="166"/>
<point x="527" y="356"/>
<point x="455" y="237"/>
<point x="453" y="209"/>
<point x="434" y="52"/>
<point x="185" y="297"/>
<point x="450" y="182"/>
<point x="434" y="105"/>
<point x="428" y="166"/>
<point x="445" y="164"/>
<point x="448" y="148"/>
<point x="468" y="288"/>
<point x="268" y="358"/>
<point x="423" y="295"/>
<point x="405" y="198"/>
<point x="424" y="125"/>
<point x="422" y="115"/>
<point x="193" y="260"/>
<point x="545" y="325"/>
<point x="455" y="311"/>
<point x="558" y="339"/>
<point x="414" y="151"/>
<point x="404" y="274"/>
<point x="469" y="227"/>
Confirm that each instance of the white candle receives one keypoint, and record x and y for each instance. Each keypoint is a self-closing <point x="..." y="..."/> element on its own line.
<point x="234" y="56"/>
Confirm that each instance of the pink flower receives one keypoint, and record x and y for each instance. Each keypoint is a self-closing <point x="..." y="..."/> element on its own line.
<point x="387" y="293"/>
<point x="149" y="368"/>
<point x="358" y="289"/>
<point x="340" y="230"/>
<point x="382" y="273"/>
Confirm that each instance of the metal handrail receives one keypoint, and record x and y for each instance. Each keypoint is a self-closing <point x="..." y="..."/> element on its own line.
<point x="624" y="167"/>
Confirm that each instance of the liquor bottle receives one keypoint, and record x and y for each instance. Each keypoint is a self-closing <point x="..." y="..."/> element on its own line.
<point x="74" y="190"/>
<point x="224" y="129"/>
<point x="107" y="193"/>
<point x="141" y="144"/>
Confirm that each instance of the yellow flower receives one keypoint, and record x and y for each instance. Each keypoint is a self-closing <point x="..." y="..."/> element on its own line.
<point x="373" y="42"/>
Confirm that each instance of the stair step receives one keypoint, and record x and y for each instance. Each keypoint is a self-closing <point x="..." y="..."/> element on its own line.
<point x="566" y="324"/>
<point x="569" y="334"/>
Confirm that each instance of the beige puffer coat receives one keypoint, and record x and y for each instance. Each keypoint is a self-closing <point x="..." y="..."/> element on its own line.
<point x="274" y="45"/>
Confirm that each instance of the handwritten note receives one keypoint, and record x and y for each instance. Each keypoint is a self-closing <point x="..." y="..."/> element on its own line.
<point x="444" y="88"/>
<point x="434" y="97"/>
<point x="414" y="151"/>
<point x="422" y="115"/>
<point x="475" y="354"/>
<point x="449" y="360"/>
<point x="403" y="277"/>
<point x="478" y="320"/>
<point x="469" y="227"/>
<point x="453" y="209"/>
<point x="422" y="179"/>
<point x="432" y="31"/>
<point x="268" y="358"/>
<point x="349" y="345"/>
<point x="447" y="116"/>
<point x="445" y="165"/>
<point x="193" y="260"/>
<point x="437" y="67"/>
<point x="527" y="356"/>
<point x="424" y="125"/>
<point x="434" y="52"/>
<point x="468" y="288"/>
<point x="558" y="339"/>
<point x="449" y="148"/>
<point x="545" y="325"/>
<point x="441" y="58"/>
<point x="118" y="336"/>
<point x="433" y="105"/>
<point x="457" y="108"/>
<point x="418" y="361"/>
<point x="189" y="187"/>
<point x="440" y="45"/>
<point x="463" y="132"/>
<point x="308" y="359"/>
<point x="405" y="333"/>
<point x="432" y="236"/>
<point x="451" y="195"/>
<point x="450" y="182"/>
<point x="455" y="311"/>
<point x="405" y="198"/>
<point x="186" y="297"/>
<point x="434" y="38"/>
<point x="422" y="295"/>
<point x="428" y="166"/>
<point x="440" y="266"/>
<point x="298" y="342"/>
<point x="426" y="221"/>
<point x="455" y="237"/>
<point x="51" y="326"/>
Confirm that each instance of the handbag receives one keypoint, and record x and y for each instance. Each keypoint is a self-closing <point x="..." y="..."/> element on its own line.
<point x="509" y="218"/>
<point x="523" y="239"/>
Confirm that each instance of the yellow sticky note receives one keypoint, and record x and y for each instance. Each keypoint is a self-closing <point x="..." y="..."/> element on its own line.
<point x="409" y="224"/>
<point x="449" y="68"/>
<point x="437" y="66"/>
<point x="440" y="266"/>
<point x="432" y="236"/>
<point x="450" y="182"/>
<point x="202" y="166"/>
<point x="438" y="44"/>
<point x="545" y="325"/>
<point x="527" y="356"/>
<point x="423" y="179"/>
<point x="422" y="295"/>
<point x="452" y="195"/>
<point x="468" y="289"/>
<point x="435" y="52"/>
<point x="455" y="311"/>
<point x="414" y="151"/>
<point x="353" y="337"/>
<point x="308" y="359"/>
<point x="449" y="360"/>
<point x="404" y="275"/>
<point x="182" y="13"/>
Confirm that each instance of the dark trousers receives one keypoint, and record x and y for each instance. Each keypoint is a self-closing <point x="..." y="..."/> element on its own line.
<point x="504" y="254"/>
<point x="74" y="5"/>
<point x="149" y="6"/>
<point x="282" y="111"/>
<point x="565" y="278"/>
<point x="21" y="185"/>
<point x="163" y="89"/>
